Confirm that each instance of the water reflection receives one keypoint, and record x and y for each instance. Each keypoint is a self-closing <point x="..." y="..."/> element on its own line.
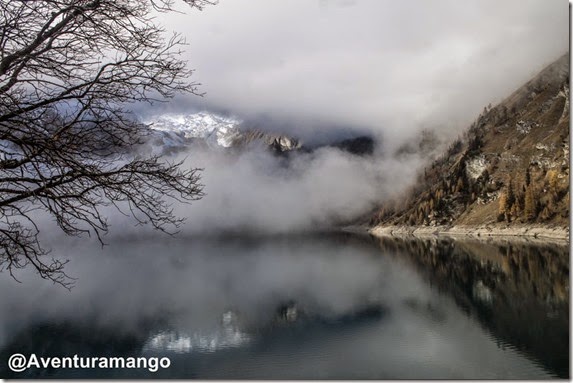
<point x="305" y="307"/>
<point x="518" y="290"/>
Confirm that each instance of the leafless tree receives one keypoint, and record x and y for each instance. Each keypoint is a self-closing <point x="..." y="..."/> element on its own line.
<point x="69" y="69"/>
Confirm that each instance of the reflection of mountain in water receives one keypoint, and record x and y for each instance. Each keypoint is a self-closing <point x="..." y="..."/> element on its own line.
<point x="518" y="291"/>
<point x="289" y="329"/>
<point x="317" y="306"/>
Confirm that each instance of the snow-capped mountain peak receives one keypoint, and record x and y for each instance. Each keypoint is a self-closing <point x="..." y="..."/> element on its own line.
<point x="214" y="129"/>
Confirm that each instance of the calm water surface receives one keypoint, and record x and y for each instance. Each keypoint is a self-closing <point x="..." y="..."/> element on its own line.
<point x="312" y="307"/>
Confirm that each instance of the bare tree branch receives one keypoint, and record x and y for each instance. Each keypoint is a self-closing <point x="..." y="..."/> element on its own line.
<point x="68" y="71"/>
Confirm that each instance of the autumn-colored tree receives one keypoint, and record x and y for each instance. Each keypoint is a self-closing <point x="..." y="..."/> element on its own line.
<point x="553" y="179"/>
<point x="545" y="214"/>
<point x="514" y="211"/>
<point x="502" y="206"/>
<point x="530" y="210"/>
<point x="520" y="199"/>
<point x="510" y="193"/>
<point x="420" y="217"/>
<point x="412" y="219"/>
<point x="507" y="201"/>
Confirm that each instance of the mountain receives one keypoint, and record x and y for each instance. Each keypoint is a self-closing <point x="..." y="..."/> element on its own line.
<point x="179" y="129"/>
<point x="361" y="146"/>
<point x="511" y="167"/>
<point x="278" y="142"/>
<point x="175" y="132"/>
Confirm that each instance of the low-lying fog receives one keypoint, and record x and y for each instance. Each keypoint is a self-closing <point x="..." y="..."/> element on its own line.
<point x="194" y="281"/>
<point x="261" y="192"/>
<point x="257" y="191"/>
<point x="171" y="297"/>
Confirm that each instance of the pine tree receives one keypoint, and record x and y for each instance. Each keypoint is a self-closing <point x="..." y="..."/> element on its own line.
<point x="420" y="217"/>
<point x="514" y="211"/>
<point x="530" y="209"/>
<point x="553" y="180"/>
<point x="510" y="193"/>
<point x="460" y="185"/>
<point x="520" y="199"/>
<point x="412" y="219"/>
<point x="502" y="206"/>
<point x="545" y="214"/>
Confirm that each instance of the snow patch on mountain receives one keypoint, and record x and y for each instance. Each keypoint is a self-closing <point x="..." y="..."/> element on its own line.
<point x="476" y="166"/>
<point x="214" y="129"/>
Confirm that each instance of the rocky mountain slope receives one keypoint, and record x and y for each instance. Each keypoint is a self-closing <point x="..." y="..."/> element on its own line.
<point x="279" y="142"/>
<point x="171" y="133"/>
<point x="511" y="167"/>
<point x="175" y="132"/>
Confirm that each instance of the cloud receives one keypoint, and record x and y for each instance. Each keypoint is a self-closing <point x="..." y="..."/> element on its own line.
<point x="313" y="68"/>
<point x="392" y="67"/>
<point x="258" y="192"/>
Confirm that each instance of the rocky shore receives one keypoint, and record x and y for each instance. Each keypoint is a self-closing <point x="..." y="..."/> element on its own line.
<point x="531" y="232"/>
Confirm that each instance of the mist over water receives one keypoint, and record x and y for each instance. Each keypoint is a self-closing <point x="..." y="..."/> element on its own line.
<point x="213" y="305"/>
<point x="220" y="297"/>
<point x="394" y="70"/>
<point x="197" y="279"/>
<point x="257" y="191"/>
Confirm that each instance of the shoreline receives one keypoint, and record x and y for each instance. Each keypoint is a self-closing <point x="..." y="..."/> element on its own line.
<point x="482" y="232"/>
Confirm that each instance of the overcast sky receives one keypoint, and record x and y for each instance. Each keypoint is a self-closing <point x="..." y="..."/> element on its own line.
<point x="390" y="66"/>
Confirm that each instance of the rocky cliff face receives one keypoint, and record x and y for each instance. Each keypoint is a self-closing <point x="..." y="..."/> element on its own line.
<point x="362" y="145"/>
<point x="278" y="142"/>
<point x="510" y="166"/>
<point x="172" y="133"/>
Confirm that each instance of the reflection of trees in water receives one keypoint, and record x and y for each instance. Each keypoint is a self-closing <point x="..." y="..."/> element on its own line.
<point x="518" y="291"/>
<point x="544" y="268"/>
<point x="540" y="271"/>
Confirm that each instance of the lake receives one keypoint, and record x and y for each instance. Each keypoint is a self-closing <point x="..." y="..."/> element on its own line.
<point x="321" y="306"/>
